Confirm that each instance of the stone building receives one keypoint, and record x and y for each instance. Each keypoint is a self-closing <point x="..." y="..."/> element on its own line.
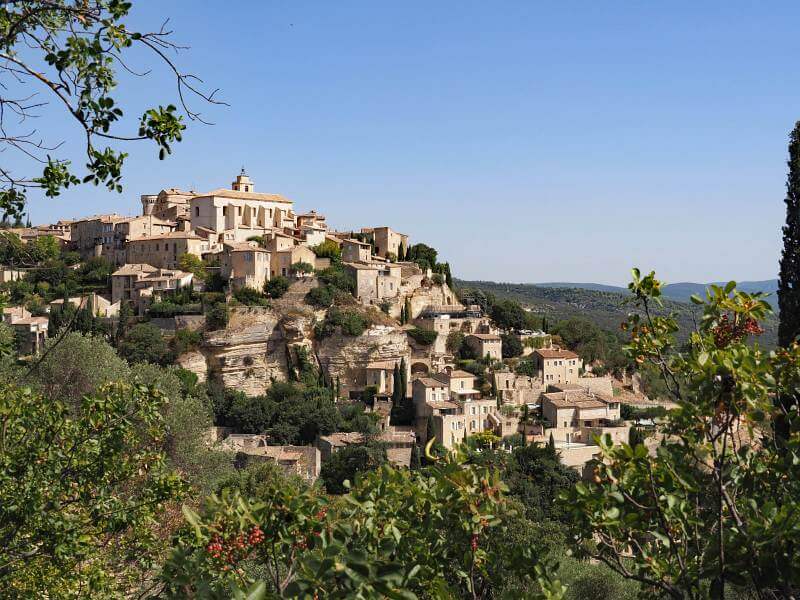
<point x="399" y="444"/>
<point x="486" y="344"/>
<point x="375" y="281"/>
<point x="245" y="264"/>
<point x="88" y="236"/>
<point x="387" y="241"/>
<point x="141" y="284"/>
<point x="165" y="250"/>
<point x="240" y="212"/>
<point x="30" y="331"/>
<point x="170" y="204"/>
<point x="556" y="366"/>
<point x="356" y="251"/>
<point x="575" y="416"/>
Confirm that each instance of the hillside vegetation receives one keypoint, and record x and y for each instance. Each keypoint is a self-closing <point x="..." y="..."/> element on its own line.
<point x="606" y="309"/>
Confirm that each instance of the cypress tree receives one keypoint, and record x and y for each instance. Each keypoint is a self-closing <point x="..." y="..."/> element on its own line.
<point x="430" y="432"/>
<point x="789" y="281"/>
<point x="544" y="324"/>
<point x="403" y="379"/>
<point x="396" y="384"/>
<point x="551" y="445"/>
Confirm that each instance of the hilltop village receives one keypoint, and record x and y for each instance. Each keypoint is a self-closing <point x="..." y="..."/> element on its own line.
<point x="253" y="293"/>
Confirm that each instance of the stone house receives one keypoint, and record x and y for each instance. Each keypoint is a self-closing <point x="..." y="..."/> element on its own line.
<point x="461" y="384"/>
<point x="355" y="251"/>
<point x="302" y="461"/>
<point x="133" y="228"/>
<point x="165" y="250"/>
<point x="30" y="331"/>
<point x="575" y="416"/>
<point x="90" y="235"/>
<point x="99" y="306"/>
<point x="387" y="241"/>
<point x="375" y="281"/>
<point x="517" y="389"/>
<point x="446" y="323"/>
<point x="141" y="284"/>
<point x="282" y="260"/>
<point x="380" y="375"/>
<point x="245" y="264"/>
<point x="484" y="344"/>
<point x="557" y="366"/>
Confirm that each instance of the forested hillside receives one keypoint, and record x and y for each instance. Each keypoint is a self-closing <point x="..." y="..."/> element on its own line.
<point x="606" y="309"/>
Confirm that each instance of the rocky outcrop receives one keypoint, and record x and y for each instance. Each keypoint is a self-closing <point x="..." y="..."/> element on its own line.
<point x="345" y="358"/>
<point x="195" y="362"/>
<point x="250" y="352"/>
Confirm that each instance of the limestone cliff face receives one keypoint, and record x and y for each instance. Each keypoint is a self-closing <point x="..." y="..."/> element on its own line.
<point x="260" y="343"/>
<point x="346" y="357"/>
<point x="431" y="295"/>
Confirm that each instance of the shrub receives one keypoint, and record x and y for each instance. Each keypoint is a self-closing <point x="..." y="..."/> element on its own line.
<point x="166" y="309"/>
<point x="217" y="316"/>
<point x="337" y="277"/>
<point x="276" y="287"/>
<point x="512" y="347"/>
<point x="426" y="337"/>
<point x="185" y="340"/>
<point x="250" y="297"/>
<point x="328" y="249"/>
<point x="302" y="267"/>
<point x="455" y="341"/>
<point x="320" y="297"/>
<point x="144" y="343"/>
<point x="347" y="321"/>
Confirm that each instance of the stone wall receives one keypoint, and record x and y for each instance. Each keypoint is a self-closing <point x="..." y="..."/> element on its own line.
<point x="346" y="357"/>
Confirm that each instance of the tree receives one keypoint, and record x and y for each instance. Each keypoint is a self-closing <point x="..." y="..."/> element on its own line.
<point x="328" y="249"/>
<point x="187" y="419"/>
<point x="80" y="491"/>
<point x="511" y="345"/>
<point x="276" y="286"/>
<point x="320" y="297"/>
<point x="423" y="255"/>
<point x="455" y="341"/>
<point x="302" y="267"/>
<point x="144" y="343"/>
<point x="429" y="533"/>
<point x="345" y="464"/>
<point x="7" y="340"/>
<point x="191" y="263"/>
<point x="70" y="52"/>
<point x="789" y="279"/>
<point x="716" y="506"/>
<point x="78" y="364"/>
<point x="123" y="322"/>
<point x="508" y="315"/>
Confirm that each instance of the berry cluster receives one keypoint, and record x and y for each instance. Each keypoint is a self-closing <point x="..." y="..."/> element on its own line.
<point x="727" y="332"/>
<point x="230" y="550"/>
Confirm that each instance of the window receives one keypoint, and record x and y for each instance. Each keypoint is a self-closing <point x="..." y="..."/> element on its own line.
<point x="485" y="409"/>
<point x="224" y="211"/>
<point x="196" y="211"/>
<point x="239" y="211"/>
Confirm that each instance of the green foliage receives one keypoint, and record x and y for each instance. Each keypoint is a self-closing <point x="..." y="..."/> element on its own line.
<point x="78" y="364"/>
<point x="512" y="347"/>
<point x="97" y="270"/>
<point x="381" y="540"/>
<point x="508" y="315"/>
<point x="353" y="417"/>
<point x="425" y="337"/>
<point x="337" y="277"/>
<point x="7" y="340"/>
<point x="276" y="287"/>
<point x="217" y="316"/>
<point x="345" y="464"/>
<point x="592" y="343"/>
<point x="455" y="342"/>
<point x="290" y="413"/>
<point x="191" y="263"/>
<point x="423" y="255"/>
<point x="711" y="510"/>
<point x="144" y="343"/>
<point x="187" y="418"/>
<point x="347" y="321"/>
<point x="320" y="297"/>
<point x="250" y="297"/>
<point x="80" y="489"/>
<point x="49" y="43"/>
<point x="185" y="340"/>
<point x="302" y="267"/>
<point x="328" y="249"/>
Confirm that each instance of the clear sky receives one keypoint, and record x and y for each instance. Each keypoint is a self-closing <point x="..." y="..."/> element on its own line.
<point x="527" y="141"/>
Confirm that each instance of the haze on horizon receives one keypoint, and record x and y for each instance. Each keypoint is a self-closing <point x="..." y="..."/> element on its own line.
<point x="526" y="143"/>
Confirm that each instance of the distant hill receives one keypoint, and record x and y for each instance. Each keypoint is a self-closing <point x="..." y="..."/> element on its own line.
<point x="675" y="291"/>
<point x="606" y="308"/>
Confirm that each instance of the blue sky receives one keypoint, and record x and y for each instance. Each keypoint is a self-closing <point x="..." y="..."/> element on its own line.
<point x="526" y="141"/>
